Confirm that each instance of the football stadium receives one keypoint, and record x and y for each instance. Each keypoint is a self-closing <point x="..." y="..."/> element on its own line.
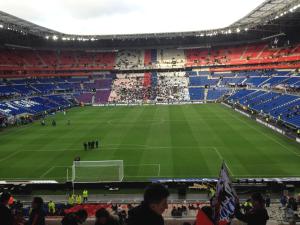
<point x="134" y="126"/>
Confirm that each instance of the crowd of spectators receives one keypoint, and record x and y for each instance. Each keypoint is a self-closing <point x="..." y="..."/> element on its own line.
<point x="253" y="211"/>
<point x="131" y="88"/>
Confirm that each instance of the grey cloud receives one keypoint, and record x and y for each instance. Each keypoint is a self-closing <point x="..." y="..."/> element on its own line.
<point x="90" y="9"/>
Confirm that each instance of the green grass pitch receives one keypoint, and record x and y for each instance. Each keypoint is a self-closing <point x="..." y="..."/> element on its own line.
<point x="187" y="141"/>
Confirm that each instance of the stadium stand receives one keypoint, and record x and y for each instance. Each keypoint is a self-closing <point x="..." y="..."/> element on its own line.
<point x="170" y="58"/>
<point x="196" y="93"/>
<point x="241" y="55"/>
<point x="30" y="59"/>
<point x="133" y="59"/>
<point x="283" y="107"/>
<point x="172" y="87"/>
<point x="216" y="94"/>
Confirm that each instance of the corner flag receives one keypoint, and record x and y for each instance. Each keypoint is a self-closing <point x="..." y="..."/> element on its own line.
<point x="223" y="203"/>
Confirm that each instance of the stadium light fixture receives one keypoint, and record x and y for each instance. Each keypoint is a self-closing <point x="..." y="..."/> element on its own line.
<point x="54" y="37"/>
<point x="238" y="30"/>
<point x="93" y="39"/>
<point x="1" y="26"/>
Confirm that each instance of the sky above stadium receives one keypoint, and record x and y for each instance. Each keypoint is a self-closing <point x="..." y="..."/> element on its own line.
<point x="129" y="16"/>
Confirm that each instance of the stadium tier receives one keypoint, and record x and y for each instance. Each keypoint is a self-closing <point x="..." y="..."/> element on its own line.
<point x="78" y="62"/>
<point x="282" y="107"/>
<point x="144" y="87"/>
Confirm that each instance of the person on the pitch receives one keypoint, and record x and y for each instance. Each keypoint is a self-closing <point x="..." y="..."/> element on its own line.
<point x="85" y="146"/>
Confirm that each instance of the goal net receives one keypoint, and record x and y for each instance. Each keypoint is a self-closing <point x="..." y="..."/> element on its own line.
<point x="97" y="171"/>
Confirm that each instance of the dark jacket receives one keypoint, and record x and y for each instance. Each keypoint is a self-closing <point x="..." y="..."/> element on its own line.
<point x="253" y="217"/>
<point x="110" y="221"/>
<point x="70" y="219"/>
<point x="6" y="215"/>
<point x="37" y="217"/>
<point x="143" y="215"/>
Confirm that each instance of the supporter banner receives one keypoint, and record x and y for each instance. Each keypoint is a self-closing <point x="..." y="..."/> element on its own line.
<point x="270" y="180"/>
<point x="223" y="203"/>
<point x="242" y="180"/>
<point x="149" y="103"/>
<point x="226" y="105"/>
<point x="245" y="114"/>
<point x="187" y="180"/>
<point x="270" y="126"/>
<point x="29" y="182"/>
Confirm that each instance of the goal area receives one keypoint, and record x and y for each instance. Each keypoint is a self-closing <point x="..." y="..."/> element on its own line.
<point x="97" y="171"/>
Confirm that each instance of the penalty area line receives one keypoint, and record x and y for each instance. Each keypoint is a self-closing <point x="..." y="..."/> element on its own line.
<point x="52" y="168"/>
<point x="9" y="156"/>
<point x="157" y="165"/>
<point x="222" y="159"/>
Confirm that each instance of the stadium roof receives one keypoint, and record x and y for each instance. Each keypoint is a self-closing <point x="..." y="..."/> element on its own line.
<point x="270" y="10"/>
<point x="13" y="22"/>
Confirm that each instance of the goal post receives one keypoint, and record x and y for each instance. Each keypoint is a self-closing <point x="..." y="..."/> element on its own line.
<point x="97" y="171"/>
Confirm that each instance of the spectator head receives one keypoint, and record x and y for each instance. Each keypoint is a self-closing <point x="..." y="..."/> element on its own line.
<point x="257" y="200"/>
<point x="5" y="196"/>
<point x="37" y="203"/>
<point x="81" y="215"/>
<point x="155" y="197"/>
<point x="102" y="216"/>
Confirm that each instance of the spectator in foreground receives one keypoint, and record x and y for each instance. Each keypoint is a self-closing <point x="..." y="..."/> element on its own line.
<point x="104" y="218"/>
<point x="268" y="201"/>
<point x="283" y="200"/>
<point x="37" y="215"/>
<point x="76" y="218"/>
<point x="5" y="213"/>
<point x="290" y="215"/>
<point x="151" y="210"/>
<point x="292" y="203"/>
<point x="258" y="215"/>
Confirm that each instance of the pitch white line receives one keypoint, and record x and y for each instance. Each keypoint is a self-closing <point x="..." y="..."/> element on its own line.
<point x="48" y="171"/>
<point x="271" y="138"/>
<point x="176" y="177"/>
<point x="222" y="158"/>
<point x="138" y="165"/>
<point x="218" y="153"/>
<point x="158" y="174"/>
<point x="9" y="156"/>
